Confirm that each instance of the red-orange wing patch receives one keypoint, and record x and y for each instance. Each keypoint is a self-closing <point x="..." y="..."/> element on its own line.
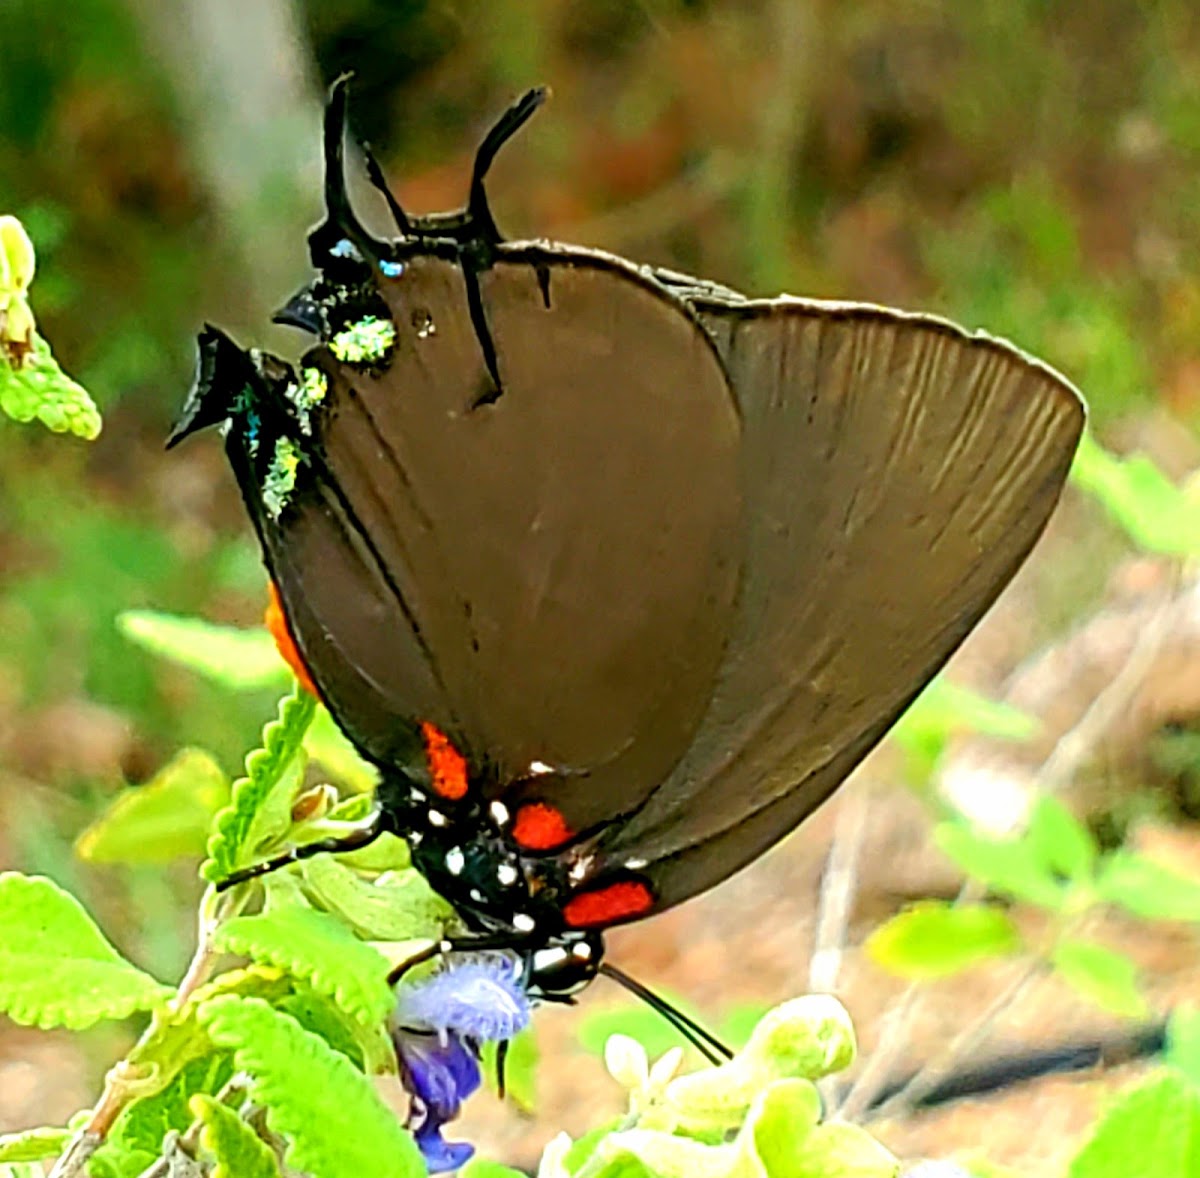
<point x="276" y="622"/>
<point x="608" y="905"/>
<point x="447" y="766"/>
<point x="540" y="827"/>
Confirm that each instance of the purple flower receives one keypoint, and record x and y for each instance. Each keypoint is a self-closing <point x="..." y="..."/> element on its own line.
<point x="438" y="1027"/>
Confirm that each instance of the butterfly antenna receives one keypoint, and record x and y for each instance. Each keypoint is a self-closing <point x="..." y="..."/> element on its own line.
<point x="378" y="181"/>
<point x="509" y="123"/>
<point x="352" y="840"/>
<point x="703" y="1040"/>
<point x="340" y="219"/>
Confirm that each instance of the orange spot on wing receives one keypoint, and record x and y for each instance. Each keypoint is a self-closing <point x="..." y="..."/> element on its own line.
<point x="608" y="905"/>
<point x="447" y="766"/>
<point x="276" y="622"/>
<point x="540" y="827"/>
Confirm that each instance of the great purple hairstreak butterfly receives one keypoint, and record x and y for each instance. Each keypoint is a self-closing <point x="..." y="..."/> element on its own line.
<point x="615" y="574"/>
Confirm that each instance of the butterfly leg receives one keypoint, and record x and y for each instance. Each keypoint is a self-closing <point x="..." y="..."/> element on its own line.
<point x="352" y="840"/>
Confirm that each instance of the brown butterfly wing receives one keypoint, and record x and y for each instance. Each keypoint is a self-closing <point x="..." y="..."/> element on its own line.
<point x="547" y="576"/>
<point x="896" y="472"/>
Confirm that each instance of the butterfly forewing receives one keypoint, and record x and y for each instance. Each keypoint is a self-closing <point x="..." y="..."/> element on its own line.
<point x="896" y="472"/>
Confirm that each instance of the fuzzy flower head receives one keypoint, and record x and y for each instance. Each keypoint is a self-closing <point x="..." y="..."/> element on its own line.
<point x="438" y="1027"/>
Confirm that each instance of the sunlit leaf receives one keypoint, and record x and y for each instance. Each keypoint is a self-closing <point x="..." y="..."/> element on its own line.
<point x="166" y="818"/>
<point x="239" y="659"/>
<point x="335" y="1121"/>
<point x="56" y="968"/>
<point x="1151" y="1132"/>
<point x="1146" y="888"/>
<point x="1158" y="516"/>
<point x="236" y="1148"/>
<point x="935" y="939"/>
<point x="1107" y="978"/>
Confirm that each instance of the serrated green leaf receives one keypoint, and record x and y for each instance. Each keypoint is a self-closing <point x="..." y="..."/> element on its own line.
<point x="238" y="659"/>
<point x="1183" y="1042"/>
<point x="177" y="1039"/>
<point x="40" y="390"/>
<point x="1156" y="515"/>
<point x="368" y="1046"/>
<point x="1109" y="979"/>
<point x="321" y="950"/>
<point x="1007" y="866"/>
<point x="139" y="1131"/>
<point x="400" y="906"/>
<point x="1151" y="1132"/>
<point x="167" y="818"/>
<point x="238" y="1151"/>
<point x="336" y="1124"/>
<point x="56" y="967"/>
<point x="33" y="1144"/>
<point x="935" y="939"/>
<point x="520" y="1069"/>
<point x="1060" y="841"/>
<point x="264" y="794"/>
<point x="1146" y="888"/>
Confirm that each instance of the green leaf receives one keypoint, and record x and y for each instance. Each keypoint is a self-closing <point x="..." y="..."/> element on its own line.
<point x="40" y="390"/>
<point x="1060" y="841"/>
<point x="740" y="1021"/>
<point x="56" y="967"/>
<point x="638" y="1021"/>
<point x="399" y="906"/>
<point x="261" y="806"/>
<point x="1008" y="866"/>
<point x="782" y="1134"/>
<point x="1109" y="979"/>
<point x="1146" y="888"/>
<point x="947" y="709"/>
<point x="650" y="1153"/>
<point x="321" y="950"/>
<point x="520" y="1069"/>
<point x="167" y="818"/>
<point x="1151" y="1132"/>
<point x="22" y="1170"/>
<point x="478" y="1168"/>
<point x="805" y="1038"/>
<point x="241" y="660"/>
<point x="1183" y="1042"/>
<point x="139" y="1131"/>
<point x="238" y="1151"/>
<point x="327" y="745"/>
<point x="33" y="1144"/>
<point x="176" y="1039"/>
<point x="934" y="939"/>
<point x="336" y="1122"/>
<point x="368" y="1046"/>
<point x="1156" y="515"/>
